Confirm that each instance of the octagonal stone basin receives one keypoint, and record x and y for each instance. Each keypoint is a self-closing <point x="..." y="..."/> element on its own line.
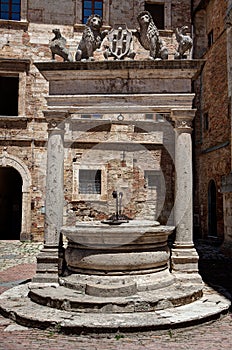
<point x="136" y="247"/>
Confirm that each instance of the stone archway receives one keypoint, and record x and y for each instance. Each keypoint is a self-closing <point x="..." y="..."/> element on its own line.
<point x="8" y="160"/>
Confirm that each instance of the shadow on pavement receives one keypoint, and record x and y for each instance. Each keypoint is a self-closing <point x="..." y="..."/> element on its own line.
<point x="214" y="267"/>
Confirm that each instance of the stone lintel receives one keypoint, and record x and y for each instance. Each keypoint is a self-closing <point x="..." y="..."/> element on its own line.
<point x="46" y="68"/>
<point x="119" y="77"/>
<point x="182" y="113"/>
<point x="123" y="102"/>
<point x="14" y="65"/>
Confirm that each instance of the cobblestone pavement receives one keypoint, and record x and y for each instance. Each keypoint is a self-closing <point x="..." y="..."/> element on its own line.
<point x="17" y="264"/>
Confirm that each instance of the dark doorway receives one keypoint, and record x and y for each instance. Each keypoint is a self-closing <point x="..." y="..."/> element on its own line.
<point x="10" y="203"/>
<point x="212" y="209"/>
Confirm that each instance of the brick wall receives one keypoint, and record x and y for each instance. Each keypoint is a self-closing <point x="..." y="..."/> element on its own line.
<point x="212" y="122"/>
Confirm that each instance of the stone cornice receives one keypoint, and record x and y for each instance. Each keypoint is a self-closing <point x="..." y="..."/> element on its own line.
<point x="124" y="103"/>
<point x="11" y="24"/>
<point x="166" y="68"/>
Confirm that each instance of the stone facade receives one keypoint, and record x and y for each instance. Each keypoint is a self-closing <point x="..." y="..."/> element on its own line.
<point x="25" y="137"/>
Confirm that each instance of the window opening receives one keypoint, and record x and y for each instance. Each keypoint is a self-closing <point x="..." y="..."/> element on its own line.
<point x="212" y="209"/>
<point x="206" y="121"/>
<point x="157" y="12"/>
<point x="210" y="38"/>
<point x="9" y="87"/>
<point x="152" y="178"/>
<point x="10" y="9"/>
<point x="91" y="7"/>
<point x="89" y="181"/>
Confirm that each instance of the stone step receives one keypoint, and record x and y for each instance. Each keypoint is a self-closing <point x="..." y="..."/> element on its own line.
<point x="118" y="285"/>
<point x="63" y="298"/>
<point x="15" y="305"/>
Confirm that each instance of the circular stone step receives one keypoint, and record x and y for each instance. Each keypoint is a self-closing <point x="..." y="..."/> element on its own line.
<point x="117" y="285"/>
<point x="59" y="297"/>
<point x="16" y="305"/>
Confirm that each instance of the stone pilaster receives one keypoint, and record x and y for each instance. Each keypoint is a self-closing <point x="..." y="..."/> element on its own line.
<point x="48" y="259"/>
<point x="184" y="256"/>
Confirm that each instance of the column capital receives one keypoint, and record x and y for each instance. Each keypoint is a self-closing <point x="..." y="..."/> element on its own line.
<point x="55" y="119"/>
<point x="55" y="125"/>
<point x="183" y="119"/>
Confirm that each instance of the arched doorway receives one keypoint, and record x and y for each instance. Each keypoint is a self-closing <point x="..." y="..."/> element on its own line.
<point x="9" y="161"/>
<point x="212" y="209"/>
<point x="10" y="203"/>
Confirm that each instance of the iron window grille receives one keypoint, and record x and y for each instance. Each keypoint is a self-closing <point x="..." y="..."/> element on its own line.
<point x="89" y="181"/>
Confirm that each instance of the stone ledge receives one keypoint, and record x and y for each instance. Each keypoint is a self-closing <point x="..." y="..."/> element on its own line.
<point x="15" y="64"/>
<point x="194" y="64"/>
<point x="62" y="298"/>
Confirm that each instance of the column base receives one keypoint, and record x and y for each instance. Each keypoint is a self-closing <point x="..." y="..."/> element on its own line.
<point x="184" y="258"/>
<point x="48" y="262"/>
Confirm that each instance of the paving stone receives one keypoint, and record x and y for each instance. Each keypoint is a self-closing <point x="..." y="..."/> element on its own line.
<point x="15" y="327"/>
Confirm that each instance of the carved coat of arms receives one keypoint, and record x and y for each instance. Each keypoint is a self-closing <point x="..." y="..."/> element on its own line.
<point x="119" y="43"/>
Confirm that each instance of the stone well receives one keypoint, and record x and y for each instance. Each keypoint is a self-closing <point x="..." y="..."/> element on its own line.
<point x="116" y="277"/>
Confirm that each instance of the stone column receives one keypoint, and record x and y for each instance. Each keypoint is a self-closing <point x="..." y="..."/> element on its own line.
<point x="25" y="233"/>
<point x="184" y="256"/>
<point x="48" y="259"/>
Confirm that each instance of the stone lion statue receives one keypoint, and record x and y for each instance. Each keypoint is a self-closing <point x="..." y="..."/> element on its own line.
<point x="91" y="38"/>
<point x="58" y="46"/>
<point x="148" y="36"/>
<point x="185" y="42"/>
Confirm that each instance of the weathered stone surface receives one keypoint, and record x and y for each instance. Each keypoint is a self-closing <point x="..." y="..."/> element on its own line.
<point x="145" y="281"/>
<point x="23" y="311"/>
<point x="76" y="300"/>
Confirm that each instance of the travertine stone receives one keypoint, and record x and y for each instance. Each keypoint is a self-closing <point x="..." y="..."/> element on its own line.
<point x="54" y="185"/>
<point x="67" y="80"/>
<point x="48" y="259"/>
<point x="184" y="255"/>
<point x="131" y="247"/>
